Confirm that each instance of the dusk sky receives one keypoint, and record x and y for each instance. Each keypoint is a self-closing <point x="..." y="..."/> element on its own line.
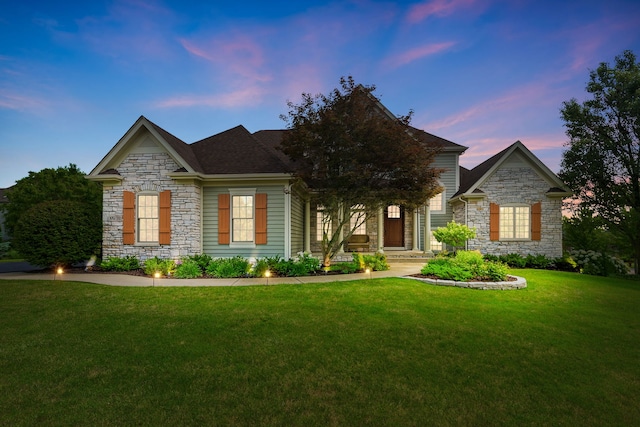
<point x="75" y="75"/>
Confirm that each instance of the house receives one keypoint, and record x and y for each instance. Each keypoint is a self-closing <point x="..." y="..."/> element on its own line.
<point x="233" y="194"/>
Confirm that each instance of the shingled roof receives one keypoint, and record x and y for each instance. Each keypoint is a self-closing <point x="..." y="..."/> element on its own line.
<point x="237" y="151"/>
<point x="471" y="178"/>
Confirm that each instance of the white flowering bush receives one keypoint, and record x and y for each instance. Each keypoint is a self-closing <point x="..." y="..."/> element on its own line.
<point x="597" y="263"/>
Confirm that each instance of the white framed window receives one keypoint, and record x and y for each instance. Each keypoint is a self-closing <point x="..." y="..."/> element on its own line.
<point x="435" y="245"/>
<point x="148" y="218"/>
<point x="515" y="222"/>
<point x="436" y="203"/>
<point x="393" y="211"/>
<point x="358" y="220"/>
<point x="242" y="218"/>
<point x="323" y="223"/>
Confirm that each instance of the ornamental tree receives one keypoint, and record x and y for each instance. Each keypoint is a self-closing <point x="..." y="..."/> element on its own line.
<point x="350" y="151"/>
<point x="602" y="161"/>
<point x="454" y="234"/>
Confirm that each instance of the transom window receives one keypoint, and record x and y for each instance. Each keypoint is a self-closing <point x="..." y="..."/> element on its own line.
<point x="393" y="211"/>
<point x="148" y="218"/>
<point x="515" y="222"/>
<point x="242" y="218"/>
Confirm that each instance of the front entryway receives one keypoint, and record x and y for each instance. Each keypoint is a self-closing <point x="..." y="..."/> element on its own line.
<point x="394" y="227"/>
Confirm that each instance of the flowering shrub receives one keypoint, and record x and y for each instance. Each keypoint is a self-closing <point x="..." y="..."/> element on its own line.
<point x="597" y="263"/>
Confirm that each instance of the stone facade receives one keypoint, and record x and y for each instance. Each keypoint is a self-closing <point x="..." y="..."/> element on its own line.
<point x="514" y="186"/>
<point x="149" y="172"/>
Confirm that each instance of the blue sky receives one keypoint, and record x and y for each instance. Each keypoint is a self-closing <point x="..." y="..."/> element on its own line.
<point x="75" y="75"/>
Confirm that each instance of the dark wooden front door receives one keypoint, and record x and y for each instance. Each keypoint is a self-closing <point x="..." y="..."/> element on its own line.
<point x="394" y="227"/>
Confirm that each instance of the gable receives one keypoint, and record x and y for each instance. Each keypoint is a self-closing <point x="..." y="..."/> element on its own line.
<point x="143" y="137"/>
<point x="516" y="156"/>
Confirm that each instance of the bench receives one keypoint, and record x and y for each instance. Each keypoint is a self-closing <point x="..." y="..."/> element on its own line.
<point x="358" y="241"/>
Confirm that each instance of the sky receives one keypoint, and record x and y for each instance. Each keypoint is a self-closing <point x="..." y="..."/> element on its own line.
<point x="76" y="75"/>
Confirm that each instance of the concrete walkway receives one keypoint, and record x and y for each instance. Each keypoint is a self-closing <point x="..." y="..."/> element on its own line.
<point x="396" y="270"/>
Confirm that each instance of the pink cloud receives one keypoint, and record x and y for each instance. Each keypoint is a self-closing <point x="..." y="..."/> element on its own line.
<point x="421" y="11"/>
<point x="239" y="56"/>
<point x="240" y="98"/>
<point x="418" y="53"/>
<point x="19" y="102"/>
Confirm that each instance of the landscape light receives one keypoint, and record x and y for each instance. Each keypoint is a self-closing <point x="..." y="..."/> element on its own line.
<point x="156" y="275"/>
<point x="267" y="274"/>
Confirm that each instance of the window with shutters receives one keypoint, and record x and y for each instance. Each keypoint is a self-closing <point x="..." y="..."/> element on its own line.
<point x="242" y="218"/>
<point x="242" y="224"/>
<point x="515" y="222"/>
<point x="148" y="218"/>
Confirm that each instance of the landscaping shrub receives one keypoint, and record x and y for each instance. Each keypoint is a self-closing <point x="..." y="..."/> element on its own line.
<point x="598" y="264"/>
<point x="165" y="267"/>
<point x="127" y="263"/>
<point x="466" y="266"/>
<point x="345" y="267"/>
<point x="538" y="261"/>
<point x="260" y="268"/>
<point x="377" y="262"/>
<point x="58" y="232"/>
<point x="188" y="269"/>
<point x="202" y="260"/>
<point x="228" y="267"/>
<point x="565" y="263"/>
<point x="514" y="260"/>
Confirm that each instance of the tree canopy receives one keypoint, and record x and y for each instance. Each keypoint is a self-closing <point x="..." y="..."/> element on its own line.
<point x="350" y="151"/>
<point x="63" y="183"/>
<point x="602" y="160"/>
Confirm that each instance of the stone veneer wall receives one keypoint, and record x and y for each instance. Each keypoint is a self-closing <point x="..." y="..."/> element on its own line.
<point x="514" y="185"/>
<point x="148" y="172"/>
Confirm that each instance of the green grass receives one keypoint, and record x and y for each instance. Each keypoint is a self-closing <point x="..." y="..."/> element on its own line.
<point x="384" y="352"/>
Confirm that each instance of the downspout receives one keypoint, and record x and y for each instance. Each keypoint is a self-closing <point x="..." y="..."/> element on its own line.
<point x="466" y="214"/>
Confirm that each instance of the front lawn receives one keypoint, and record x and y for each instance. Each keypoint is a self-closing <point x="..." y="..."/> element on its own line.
<point x="563" y="351"/>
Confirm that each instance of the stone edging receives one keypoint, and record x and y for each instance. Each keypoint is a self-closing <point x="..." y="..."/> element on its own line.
<point x="519" y="283"/>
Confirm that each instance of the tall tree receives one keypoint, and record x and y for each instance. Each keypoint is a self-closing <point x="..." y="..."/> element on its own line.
<point x="351" y="152"/>
<point x="602" y="160"/>
<point x="63" y="183"/>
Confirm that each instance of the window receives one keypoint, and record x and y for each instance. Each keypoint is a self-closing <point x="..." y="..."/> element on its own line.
<point x="323" y="223"/>
<point x="393" y="211"/>
<point x="242" y="219"/>
<point x="435" y="204"/>
<point x="358" y="220"/>
<point x="515" y="222"/>
<point x="148" y="218"/>
<point x="435" y="245"/>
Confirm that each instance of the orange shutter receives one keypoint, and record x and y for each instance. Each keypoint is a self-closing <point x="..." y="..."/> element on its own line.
<point x="494" y="222"/>
<point x="165" y="218"/>
<point x="128" y="218"/>
<point x="536" y="221"/>
<point x="261" y="219"/>
<point x="223" y="219"/>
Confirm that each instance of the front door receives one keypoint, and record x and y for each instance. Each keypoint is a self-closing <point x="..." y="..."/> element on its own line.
<point x="394" y="227"/>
